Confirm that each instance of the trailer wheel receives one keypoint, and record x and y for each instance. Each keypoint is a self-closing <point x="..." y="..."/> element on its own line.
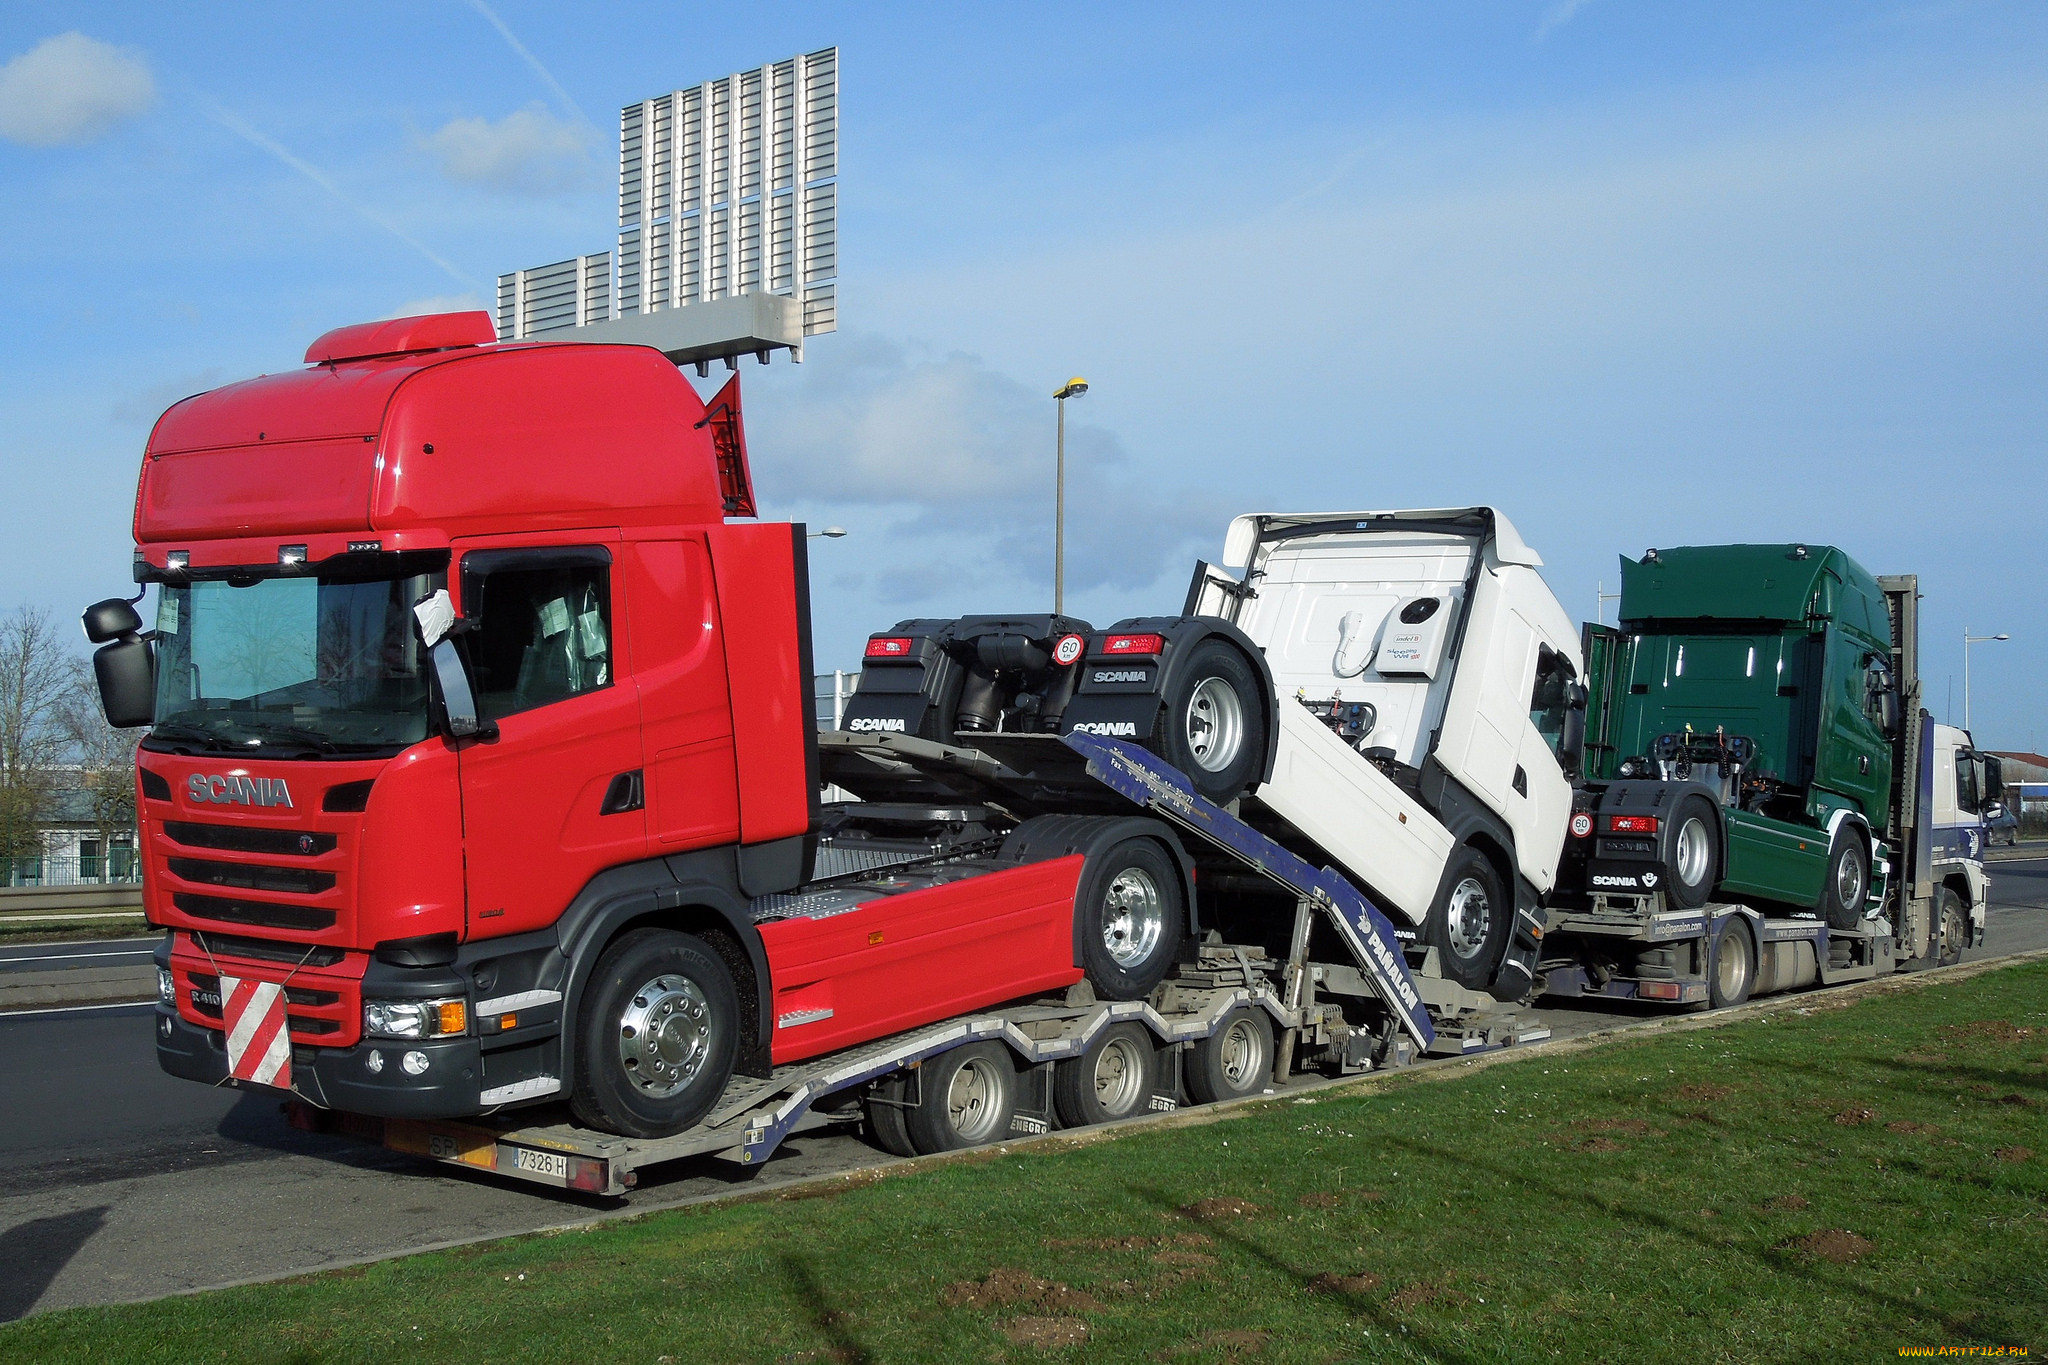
<point x="885" y="1113"/>
<point x="1470" y="921"/>
<point x="1214" y="728"/>
<point x="1131" y="919"/>
<point x="1848" y="881"/>
<point x="660" y="1028"/>
<point x="966" y="1097"/>
<point x="1695" y="854"/>
<point x="1110" y="1080"/>
<point x="1955" y="926"/>
<point x="1234" y="1061"/>
<point x="1734" y="973"/>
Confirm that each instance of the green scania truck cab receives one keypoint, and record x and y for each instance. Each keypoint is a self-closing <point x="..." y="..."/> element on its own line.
<point x="1743" y="730"/>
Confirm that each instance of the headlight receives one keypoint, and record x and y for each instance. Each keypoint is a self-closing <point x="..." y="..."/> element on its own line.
<point x="415" y="1018"/>
<point x="166" y="988"/>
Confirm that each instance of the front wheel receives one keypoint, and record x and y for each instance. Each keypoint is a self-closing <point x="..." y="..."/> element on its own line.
<point x="1132" y="917"/>
<point x="1695" y="854"/>
<point x="1955" y="926"/>
<point x="659" y="1032"/>
<point x="1214" y="726"/>
<point x="1848" y="881"/>
<point x="1469" y="922"/>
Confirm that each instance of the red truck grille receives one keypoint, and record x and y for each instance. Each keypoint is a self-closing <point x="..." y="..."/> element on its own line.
<point x="291" y="881"/>
<point x="322" y="991"/>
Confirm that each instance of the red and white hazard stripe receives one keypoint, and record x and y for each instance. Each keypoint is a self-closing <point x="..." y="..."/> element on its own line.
<point x="259" y="1040"/>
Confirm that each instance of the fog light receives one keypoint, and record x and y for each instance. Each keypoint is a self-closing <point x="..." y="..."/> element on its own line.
<point x="415" y="1063"/>
<point x="166" y="988"/>
<point x="375" y="1062"/>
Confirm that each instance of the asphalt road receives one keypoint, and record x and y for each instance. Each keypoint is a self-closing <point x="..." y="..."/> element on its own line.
<point x="119" y="1183"/>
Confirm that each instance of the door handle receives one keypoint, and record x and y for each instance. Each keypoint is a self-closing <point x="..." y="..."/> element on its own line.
<point x="627" y="792"/>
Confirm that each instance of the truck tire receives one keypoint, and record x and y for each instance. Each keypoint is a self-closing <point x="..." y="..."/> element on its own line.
<point x="1234" y="1061"/>
<point x="1848" y="880"/>
<point x="1695" y="854"/>
<point x="885" y="1113"/>
<point x="1954" y="926"/>
<point x="1470" y="922"/>
<point x="1214" y="728"/>
<point x="1110" y="1080"/>
<point x="967" y="1097"/>
<point x="1131" y="917"/>
<point x="660" y="1028"/>
<point x="1734" y="967"/>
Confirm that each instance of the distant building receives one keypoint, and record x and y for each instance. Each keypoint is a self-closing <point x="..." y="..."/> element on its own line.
<point x="2026" y="783"/>
<point x="75" y="848"/>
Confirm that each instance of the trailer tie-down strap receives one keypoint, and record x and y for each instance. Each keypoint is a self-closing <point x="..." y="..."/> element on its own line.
<point x="1149" y="781"/>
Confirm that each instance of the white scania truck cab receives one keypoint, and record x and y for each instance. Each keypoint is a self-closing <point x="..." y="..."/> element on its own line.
<point x="1430" y="705"/>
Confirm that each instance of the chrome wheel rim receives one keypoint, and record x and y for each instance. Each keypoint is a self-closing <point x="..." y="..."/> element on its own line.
<point x="1849" y="881"/>
<point x="1692" y="851"/>
<point x="1238" y="1054"/>
<point x="665" y="1035"/>
<point x="973" y="1100"/>
<point x="1731" y="965"/>
<point x="1466" y="917"/>
<point x="1119" y="1077"/>
<point x="1133" y="917"/>
<point x="1215" y="725"/>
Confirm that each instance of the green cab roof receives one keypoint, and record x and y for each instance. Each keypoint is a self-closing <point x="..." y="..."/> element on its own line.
<point x="1745" y="583"/>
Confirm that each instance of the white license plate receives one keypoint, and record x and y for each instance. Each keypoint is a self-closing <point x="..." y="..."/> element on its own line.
<point x="541" y="1163"/>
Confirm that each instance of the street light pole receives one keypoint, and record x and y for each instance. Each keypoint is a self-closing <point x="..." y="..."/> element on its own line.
<point x="1968" y="640"/>
<point x="1073" y="388"/>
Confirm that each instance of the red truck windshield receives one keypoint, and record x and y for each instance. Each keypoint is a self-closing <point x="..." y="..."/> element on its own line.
<point x="300" y="664"/>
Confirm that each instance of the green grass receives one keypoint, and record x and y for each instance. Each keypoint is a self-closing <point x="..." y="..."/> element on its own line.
<point x="21" y="933"/>
<point x="1826" y="1182"/>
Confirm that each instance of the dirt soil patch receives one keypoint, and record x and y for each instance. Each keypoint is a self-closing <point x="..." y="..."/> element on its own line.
<point x="1327" y="1283"/>
<point x="1787" y="1202"/>
<point x="1908" y="1126"/>
<point x="1702" y="1090"/>
<point x="1177" y="1239"/>
<point x="1047" y="1334"/>
<point x="1216" y="1208"/>
<point x="1005" y="1287"/>
<point x="1427" y="1292"/>
<point x="1991" y="1030"/>
<point x="1851" y="1118"/>
<point x="1833" y="1244"/>
<point x="2014" y="1153"/>
<point x="1321" y="1199"/>
<point x="1188" y="1260"/>
<point x="1597" y="1144"/>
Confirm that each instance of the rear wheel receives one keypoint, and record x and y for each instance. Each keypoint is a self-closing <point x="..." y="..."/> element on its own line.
<point x="1848" y="880"/>
<point x="1214" y="727"/>
<point x="1110" y="1080"/>
<point x="967" y="1097"/>
<point x="885" y="1117"/>
<point x="1695" y="854"/>
<point x="1132" y="917"/>
<point x="1955" y="926"/>
<point x="659" y="1032"/>
<point x="1734" y="972"/>
<point x="1234" y="1061"/>
<point x="1469" y="922"/>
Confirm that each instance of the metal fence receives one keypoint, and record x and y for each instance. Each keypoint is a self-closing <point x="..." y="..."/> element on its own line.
<point x="72" y="869"/>
<point x="829" y="694"/>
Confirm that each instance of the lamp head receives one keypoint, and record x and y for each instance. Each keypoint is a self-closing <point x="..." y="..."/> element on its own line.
<point x="1074" y="388"/>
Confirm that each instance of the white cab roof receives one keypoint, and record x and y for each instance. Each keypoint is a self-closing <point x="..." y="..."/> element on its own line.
<point x="1243" y="535"/>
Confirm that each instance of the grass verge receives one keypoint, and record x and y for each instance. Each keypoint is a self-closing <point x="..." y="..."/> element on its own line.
<point x="1825" y="1181"/>
<point x="19" y="933"/>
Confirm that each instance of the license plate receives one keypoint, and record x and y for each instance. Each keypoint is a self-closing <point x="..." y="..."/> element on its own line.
<point x="541" y="1163"/>
<point x="206" y="1000"/>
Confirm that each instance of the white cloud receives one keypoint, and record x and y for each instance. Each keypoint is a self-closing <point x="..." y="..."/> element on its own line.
<point x="70" y="89"/>
<point x="529" y="151"/>
<point x="1560" y="14"/>
<point x="437" y="303"/>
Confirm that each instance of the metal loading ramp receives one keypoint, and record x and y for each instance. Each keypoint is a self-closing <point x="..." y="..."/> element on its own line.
<point x="1148" y="781"/>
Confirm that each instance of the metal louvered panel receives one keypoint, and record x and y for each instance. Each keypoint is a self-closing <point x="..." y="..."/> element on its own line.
<point x="555" y="298"/>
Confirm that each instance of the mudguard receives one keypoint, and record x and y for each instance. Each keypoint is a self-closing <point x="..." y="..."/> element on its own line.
<point x="1058" y="836"/>
<point x="1121" y="697"/>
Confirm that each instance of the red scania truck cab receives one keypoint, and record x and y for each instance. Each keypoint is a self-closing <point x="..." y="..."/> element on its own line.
<point x="545" y="851"/>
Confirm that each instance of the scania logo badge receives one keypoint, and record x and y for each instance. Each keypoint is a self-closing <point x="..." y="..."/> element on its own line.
<point x="307" y="844"/>
<point x="237" y="789"/>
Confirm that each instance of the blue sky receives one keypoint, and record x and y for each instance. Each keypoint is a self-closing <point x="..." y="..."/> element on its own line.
<point x="1640" y="274"/>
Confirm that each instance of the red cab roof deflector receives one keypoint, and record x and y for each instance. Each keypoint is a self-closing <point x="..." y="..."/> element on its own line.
<point x="400" y="336"/>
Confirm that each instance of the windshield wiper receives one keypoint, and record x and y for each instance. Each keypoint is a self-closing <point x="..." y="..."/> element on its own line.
<point x="312" y="738"/>
<point x="176" y="730"/>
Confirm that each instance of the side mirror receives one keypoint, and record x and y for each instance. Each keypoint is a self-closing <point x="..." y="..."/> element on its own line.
<point x="110" y="620"/>
<point x="1888" y="712"/>
<point x="1994" y="811"/>
<point x="454" y="698"/>
<point x="126" y="673"/>
<point x="1571" y="743"/>
<point x="1994" y="777"/>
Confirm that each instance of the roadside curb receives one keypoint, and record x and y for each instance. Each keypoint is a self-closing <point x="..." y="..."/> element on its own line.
<point x="1799" y="1002"/>
<point x="83" y="986"/>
